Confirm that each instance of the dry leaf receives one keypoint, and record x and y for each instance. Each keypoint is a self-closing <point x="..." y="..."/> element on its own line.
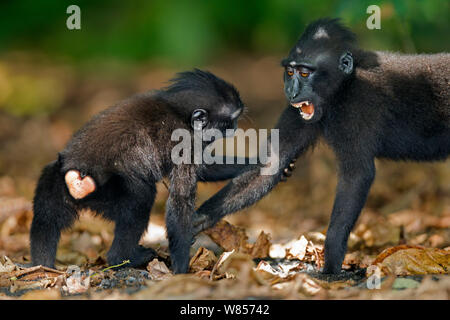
<point x="7" y="266"/>
<point x="316" y="237"/>
<point x="203" y="259"/>
<point x="230" y="262"/>
<point x="227" y="236"/>
<point x="260" y="249"/>
<point x="277" y="251"/>
<point x="77" y="283"/>
<point x="300" y="249"/>
<point x="411" y="260"/>
<point x="269" y="274"/>
<point x="36" y="277"/>
<point x="273" y="276"/>
<point x="378" y="232"/>
<point x="158" y="270"/>
<point x="204" y="274"/>
<point x="230" y="238"/>
<point x="353" y="259"/>
<point x="297" y="249"/>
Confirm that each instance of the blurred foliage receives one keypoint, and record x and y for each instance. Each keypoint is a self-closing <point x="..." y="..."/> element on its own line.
<point x="39" y="55"/>
<point x="29" y="93"/>
<point x="187" y="32"/>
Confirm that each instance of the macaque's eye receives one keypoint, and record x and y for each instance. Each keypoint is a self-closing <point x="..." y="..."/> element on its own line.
<point x="199" y="119"/>
<point x="304" y="72"/>
<point x="290" y="72"/>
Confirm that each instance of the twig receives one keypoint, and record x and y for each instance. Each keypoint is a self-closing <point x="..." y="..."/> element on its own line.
<point x="20" y="273"/>
<point x="110" y="267"/>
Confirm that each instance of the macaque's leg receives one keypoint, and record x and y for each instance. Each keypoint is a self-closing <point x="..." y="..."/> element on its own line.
<point x="53" y="211"/>
<point x="353" y="187"/>
<point x="131" y="213"/>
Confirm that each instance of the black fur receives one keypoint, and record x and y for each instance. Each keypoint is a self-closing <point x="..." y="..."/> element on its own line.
<point x="126" y="149"/>
<point x="367" y="105"/>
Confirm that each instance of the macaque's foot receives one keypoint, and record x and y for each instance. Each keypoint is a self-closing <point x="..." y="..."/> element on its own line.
<point x="140" y="256"/>
<point x="79" y="187"/>
<point x="343" y="275"/>
<point x="332" y="268"/>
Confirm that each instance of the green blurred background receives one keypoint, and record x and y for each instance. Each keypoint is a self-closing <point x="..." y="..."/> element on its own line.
<point x="183" y="34"/>
<point x="192" y="32"/>
<point x="53" y="79"/>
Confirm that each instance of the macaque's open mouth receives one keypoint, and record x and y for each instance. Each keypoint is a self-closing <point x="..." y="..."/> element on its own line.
<point x="305" y="108"/>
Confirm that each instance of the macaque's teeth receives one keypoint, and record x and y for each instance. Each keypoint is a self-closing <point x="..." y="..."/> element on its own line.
<point x="300" y="104"/>
<point x="307" y="116"/>
<point x="304" y="104"/>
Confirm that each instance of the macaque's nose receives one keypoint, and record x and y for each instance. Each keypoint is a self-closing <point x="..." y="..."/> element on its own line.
<point x="292" y="89"/>
<point x="293" y="95"/>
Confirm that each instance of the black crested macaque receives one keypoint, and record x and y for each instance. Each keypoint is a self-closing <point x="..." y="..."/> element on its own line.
<point x="111" y="166"/>
<point x="365" y="105"/>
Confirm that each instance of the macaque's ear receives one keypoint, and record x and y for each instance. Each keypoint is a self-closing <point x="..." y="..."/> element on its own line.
<point x="199" y="119"/>
<point x="346" y="63"/>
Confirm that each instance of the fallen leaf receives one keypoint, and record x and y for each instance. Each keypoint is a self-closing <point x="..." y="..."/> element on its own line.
<point x="231" y="262"/>
<point x="412" y="260"/>
<point x="230" y="237"/>
<point x="7" y="266"/>
<point x="227" y="236"/>
<point x="31" y="278"/>
<point x="272" y="275"/>
<point x="297" y="249"/>
<point x="77" y="283"/>
<point x="352" y="259"/>
<point x="238" y="265"/>
<point x="158" y="270"/>
<point x="277" y="251"/>
<point x="204" y="274"/>
<point x="203" y="259"/>
<point x="267" y="272"/>
<point x="378" y="232"/>
<point x="316" y="237"/>
<point x="75" y="286"/>
<point x="261" y="248"/>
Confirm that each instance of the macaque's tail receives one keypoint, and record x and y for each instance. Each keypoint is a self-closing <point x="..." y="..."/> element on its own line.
<point x="53" y="211"/>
